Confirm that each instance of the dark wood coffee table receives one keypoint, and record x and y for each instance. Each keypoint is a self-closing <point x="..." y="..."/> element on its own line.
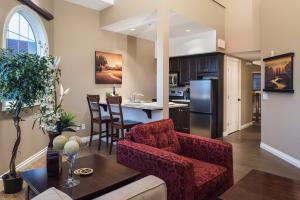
<point x="108" y="176"/>
<point x="260" y="185"/>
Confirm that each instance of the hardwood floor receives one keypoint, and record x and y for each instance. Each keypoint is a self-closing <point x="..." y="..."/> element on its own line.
<point x="246" y="150"/>
<point x="247" y="155"/>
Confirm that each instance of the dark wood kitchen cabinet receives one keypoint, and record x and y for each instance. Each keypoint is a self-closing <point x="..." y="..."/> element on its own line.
<point x="184" y="73"/>
<point x="174" y="65"/>
<point x="207" y="65"/>
<point x="181" y="118"/>
<point x="195" y="67"/>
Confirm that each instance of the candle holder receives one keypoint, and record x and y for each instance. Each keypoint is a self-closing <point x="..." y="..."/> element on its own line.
<point x="71" y="182"/>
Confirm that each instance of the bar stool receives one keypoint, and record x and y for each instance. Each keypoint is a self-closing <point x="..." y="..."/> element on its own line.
<point x="121" y="124"/>
<point x="97" y="118"/>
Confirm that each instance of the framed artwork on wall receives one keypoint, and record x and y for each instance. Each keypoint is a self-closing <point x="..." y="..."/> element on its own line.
<point x="279" y="73"/>
<point x="108" y="68"/>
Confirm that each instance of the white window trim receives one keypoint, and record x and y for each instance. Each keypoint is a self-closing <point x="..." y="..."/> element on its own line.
<point x="38" y="29"/>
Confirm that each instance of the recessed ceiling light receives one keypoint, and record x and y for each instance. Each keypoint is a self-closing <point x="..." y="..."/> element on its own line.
<point x="132" y="29"/>
<point x="188" y="30"/>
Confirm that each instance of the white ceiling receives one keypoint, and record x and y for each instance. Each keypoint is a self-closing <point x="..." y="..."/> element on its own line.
<point x="93" y="4"/>
<point x="144" y="26"/>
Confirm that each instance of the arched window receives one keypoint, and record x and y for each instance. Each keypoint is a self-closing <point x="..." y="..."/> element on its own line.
<point x="20" y="37"/>
<point x="24" y="32"/>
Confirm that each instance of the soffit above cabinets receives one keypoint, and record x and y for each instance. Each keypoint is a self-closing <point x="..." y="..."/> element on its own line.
<point x="93" y="4"/>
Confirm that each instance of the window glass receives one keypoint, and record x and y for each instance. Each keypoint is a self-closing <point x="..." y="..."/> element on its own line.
<point x="256" y="81"/>
<point x="20" y="36"/>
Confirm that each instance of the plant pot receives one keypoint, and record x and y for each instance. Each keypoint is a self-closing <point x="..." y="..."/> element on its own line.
<point x="12" y="185"/>
<point x="51" y="136"/>
<point x="54" y="163"/>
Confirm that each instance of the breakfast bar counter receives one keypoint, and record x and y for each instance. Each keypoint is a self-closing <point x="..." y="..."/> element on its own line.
<point x="142" y="112"/>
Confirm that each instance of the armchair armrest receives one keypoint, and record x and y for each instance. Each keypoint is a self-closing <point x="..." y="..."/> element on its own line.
<point x="175" y="170"/>
<point x="208" y="150"/>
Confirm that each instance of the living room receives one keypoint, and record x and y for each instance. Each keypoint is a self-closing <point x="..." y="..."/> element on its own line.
<point x="143" y="36"/>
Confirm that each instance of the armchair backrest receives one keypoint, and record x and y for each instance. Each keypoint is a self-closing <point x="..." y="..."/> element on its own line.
<point x="159" y="134"/>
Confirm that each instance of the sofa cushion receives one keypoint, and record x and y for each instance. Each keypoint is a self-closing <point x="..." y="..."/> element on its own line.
<point x="208" y="178"/>
<point x="158" y="134"/>
<point x="52" y="194"/>
<point x="148" y="188"/>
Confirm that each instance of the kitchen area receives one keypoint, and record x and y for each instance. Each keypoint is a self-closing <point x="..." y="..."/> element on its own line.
<point x="196" y="86"/>
<point x="197" y="81"/>
<point x="190" y="92"/>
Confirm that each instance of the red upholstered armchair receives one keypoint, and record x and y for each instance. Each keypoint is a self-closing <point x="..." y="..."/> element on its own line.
<point x="194" y="168"/>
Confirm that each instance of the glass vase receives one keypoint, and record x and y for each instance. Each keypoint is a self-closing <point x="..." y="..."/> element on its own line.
<point x="71" y="181"/>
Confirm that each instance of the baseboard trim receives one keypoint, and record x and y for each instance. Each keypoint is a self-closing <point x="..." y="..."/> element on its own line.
<point x="42" y="153"/>
<point x="225" y="134"/>
<point x="244" y="126"/>
<point x="29" y="160"/>
<point x="87" y="138"/>
<point x="281" y="155"/>
<point x="95" y="137"/>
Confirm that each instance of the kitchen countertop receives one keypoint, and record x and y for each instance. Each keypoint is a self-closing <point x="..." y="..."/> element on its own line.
<point x="181" y="100"/>
<point x="148" y="105"/>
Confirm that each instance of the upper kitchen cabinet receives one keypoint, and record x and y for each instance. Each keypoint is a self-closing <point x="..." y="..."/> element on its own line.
<point x="174" y="65"/>
<point x="184" y="73"/>
<point x="207" y="65"/>
<point x="197" y="66"/>
<point x="193" y="68"/>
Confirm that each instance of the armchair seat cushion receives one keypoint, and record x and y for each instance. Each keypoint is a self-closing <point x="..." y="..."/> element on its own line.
<point x="208" y="177"/>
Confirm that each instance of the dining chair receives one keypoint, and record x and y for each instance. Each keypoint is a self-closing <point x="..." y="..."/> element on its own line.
<point x="120" y="125"/>
<point x="97" y="118"/>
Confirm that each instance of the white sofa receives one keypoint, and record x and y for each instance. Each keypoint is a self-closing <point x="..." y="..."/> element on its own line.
<point x="148" y="188"/>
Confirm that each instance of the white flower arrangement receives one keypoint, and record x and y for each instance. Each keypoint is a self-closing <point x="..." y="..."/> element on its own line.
<point x="50" y="109"/>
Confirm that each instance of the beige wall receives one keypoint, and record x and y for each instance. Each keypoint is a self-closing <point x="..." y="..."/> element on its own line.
<point x="281" y="112"/>
<point x="246" y="91"/>
<point x="77" y="37"/>
<point x="242" y="25"/>
<point x="32" y="140"/>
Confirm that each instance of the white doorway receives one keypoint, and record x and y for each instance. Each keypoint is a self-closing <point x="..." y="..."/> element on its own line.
<point x="233" y="95"/>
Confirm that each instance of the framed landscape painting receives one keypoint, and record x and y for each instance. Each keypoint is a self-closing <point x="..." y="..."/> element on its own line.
<point x="108" y="68"/>
<point x="279" y="73"/>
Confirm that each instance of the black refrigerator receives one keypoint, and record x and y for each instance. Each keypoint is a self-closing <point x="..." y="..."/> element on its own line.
<point x="204" y="108"/>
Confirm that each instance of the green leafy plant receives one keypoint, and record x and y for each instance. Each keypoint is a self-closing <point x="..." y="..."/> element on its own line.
<point x="66" y="123"/>
<point x="22" y="83"/>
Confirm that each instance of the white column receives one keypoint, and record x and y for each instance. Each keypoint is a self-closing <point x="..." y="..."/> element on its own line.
<point x="162" y="48"/>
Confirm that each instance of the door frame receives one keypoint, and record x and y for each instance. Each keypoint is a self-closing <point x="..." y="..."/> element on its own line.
<point x="226" y="102"/>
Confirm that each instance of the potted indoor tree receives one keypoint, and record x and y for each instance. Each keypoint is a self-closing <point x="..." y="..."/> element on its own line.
<point x="22" y="85"/>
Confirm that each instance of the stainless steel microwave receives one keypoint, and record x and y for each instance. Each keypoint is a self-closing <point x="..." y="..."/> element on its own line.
<point x="173" y="79"/>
